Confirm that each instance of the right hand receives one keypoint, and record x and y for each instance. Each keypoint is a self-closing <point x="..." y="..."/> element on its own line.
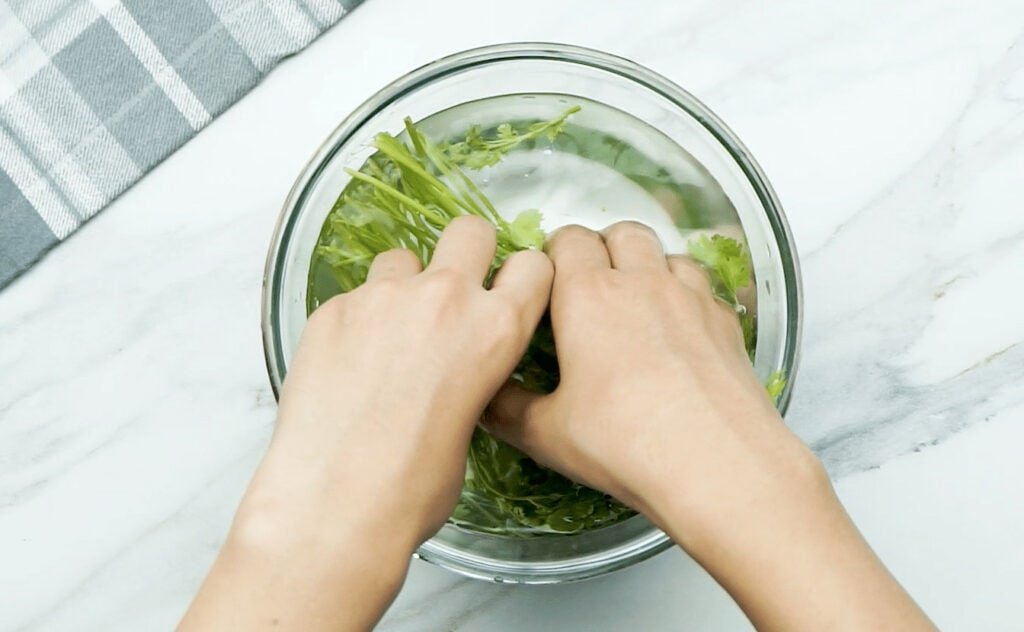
<point x="658" y="404"/>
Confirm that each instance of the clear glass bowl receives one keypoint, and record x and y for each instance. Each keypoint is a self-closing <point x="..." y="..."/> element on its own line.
<point x="535" y="69"/>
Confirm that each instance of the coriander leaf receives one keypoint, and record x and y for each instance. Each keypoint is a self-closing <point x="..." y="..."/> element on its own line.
<point x="776" y="385"/>
<point x="727" y="261"/>
<point x="525" y="232"/>
<point x="506" y="133"/>
<point x="477" y="152"/>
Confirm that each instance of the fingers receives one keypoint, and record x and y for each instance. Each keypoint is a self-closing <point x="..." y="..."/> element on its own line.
<point x="526" y="277"/>
<point x="466" y="246"/>
<point x="394" y="264"/>
<point x="689" y="273"/>
<point x="626" y="246"/>
<point x="633" y="247"/>
<point x="518" y="417"/>
<point x="574" y="248"/>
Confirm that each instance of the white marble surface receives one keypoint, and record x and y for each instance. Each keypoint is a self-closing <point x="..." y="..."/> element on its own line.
<point x="134" y="402"/>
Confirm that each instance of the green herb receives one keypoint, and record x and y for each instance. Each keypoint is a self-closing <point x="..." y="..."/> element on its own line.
<point x="477" y="152"/>
<point x="728" y="265"/>
<point x="776" y="385"/>
<point x="727" y="259"/>
<point x="403" y="197"/>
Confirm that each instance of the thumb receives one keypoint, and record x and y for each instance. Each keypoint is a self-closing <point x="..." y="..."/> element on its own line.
<point x="518" y="417"/>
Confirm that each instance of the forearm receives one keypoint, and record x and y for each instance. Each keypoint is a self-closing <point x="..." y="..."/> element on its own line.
<point x="290" y="567"/>
<point x="785" y="549"/>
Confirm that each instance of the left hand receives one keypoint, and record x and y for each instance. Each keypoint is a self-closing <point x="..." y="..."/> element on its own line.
<point x="370" y="448"/>
<point x="390" y="379"/>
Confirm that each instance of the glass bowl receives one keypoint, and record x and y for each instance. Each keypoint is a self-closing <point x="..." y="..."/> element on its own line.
<point x="525" y="69"/>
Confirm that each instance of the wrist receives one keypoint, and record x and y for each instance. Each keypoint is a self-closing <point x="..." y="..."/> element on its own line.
<point x="300" y="532"/>
<point x="740" y="500"/>
<point x="790" y="556"/>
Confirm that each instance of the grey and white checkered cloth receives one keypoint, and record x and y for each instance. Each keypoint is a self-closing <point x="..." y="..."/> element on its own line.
<point x="95" y="93"/>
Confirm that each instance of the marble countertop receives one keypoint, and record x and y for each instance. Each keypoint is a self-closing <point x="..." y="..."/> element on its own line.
<point x="134" y="402"/>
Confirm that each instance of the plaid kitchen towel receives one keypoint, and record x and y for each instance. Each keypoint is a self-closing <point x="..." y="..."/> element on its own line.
<point x="94" y="93"/>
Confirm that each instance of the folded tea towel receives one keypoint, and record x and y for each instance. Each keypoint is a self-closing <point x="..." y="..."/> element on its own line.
<point x="94" y="93"/>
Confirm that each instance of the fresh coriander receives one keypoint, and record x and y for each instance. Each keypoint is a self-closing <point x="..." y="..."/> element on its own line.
<point x="403" y="197"/>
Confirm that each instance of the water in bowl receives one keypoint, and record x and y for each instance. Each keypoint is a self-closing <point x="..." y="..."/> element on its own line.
<point x="606" y="166"/>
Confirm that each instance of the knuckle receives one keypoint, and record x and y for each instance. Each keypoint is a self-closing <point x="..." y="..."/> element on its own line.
<point x="398" y="256"/>
<point x="446" y="282"/>
<point x="689" y="272"/>
<point x="682" y="260"/>
<point x="473" y="223"/>
<point x="328" y="313"/>
<point x="384" y="286"/>
<point x="628" y="231"/>
<point x="573" y="232"/>
<point x="505" y="322"/>
<point x="534" y="258"/>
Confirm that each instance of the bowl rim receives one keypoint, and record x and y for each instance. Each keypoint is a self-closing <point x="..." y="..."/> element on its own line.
<point x="655" y="540"/>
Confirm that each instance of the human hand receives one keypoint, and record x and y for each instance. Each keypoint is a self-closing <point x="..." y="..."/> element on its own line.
<point x="658" y="402"/>
<point x="369" y="452"/>
<point x="658" y="405"/>
<point x="391" y="378"/>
